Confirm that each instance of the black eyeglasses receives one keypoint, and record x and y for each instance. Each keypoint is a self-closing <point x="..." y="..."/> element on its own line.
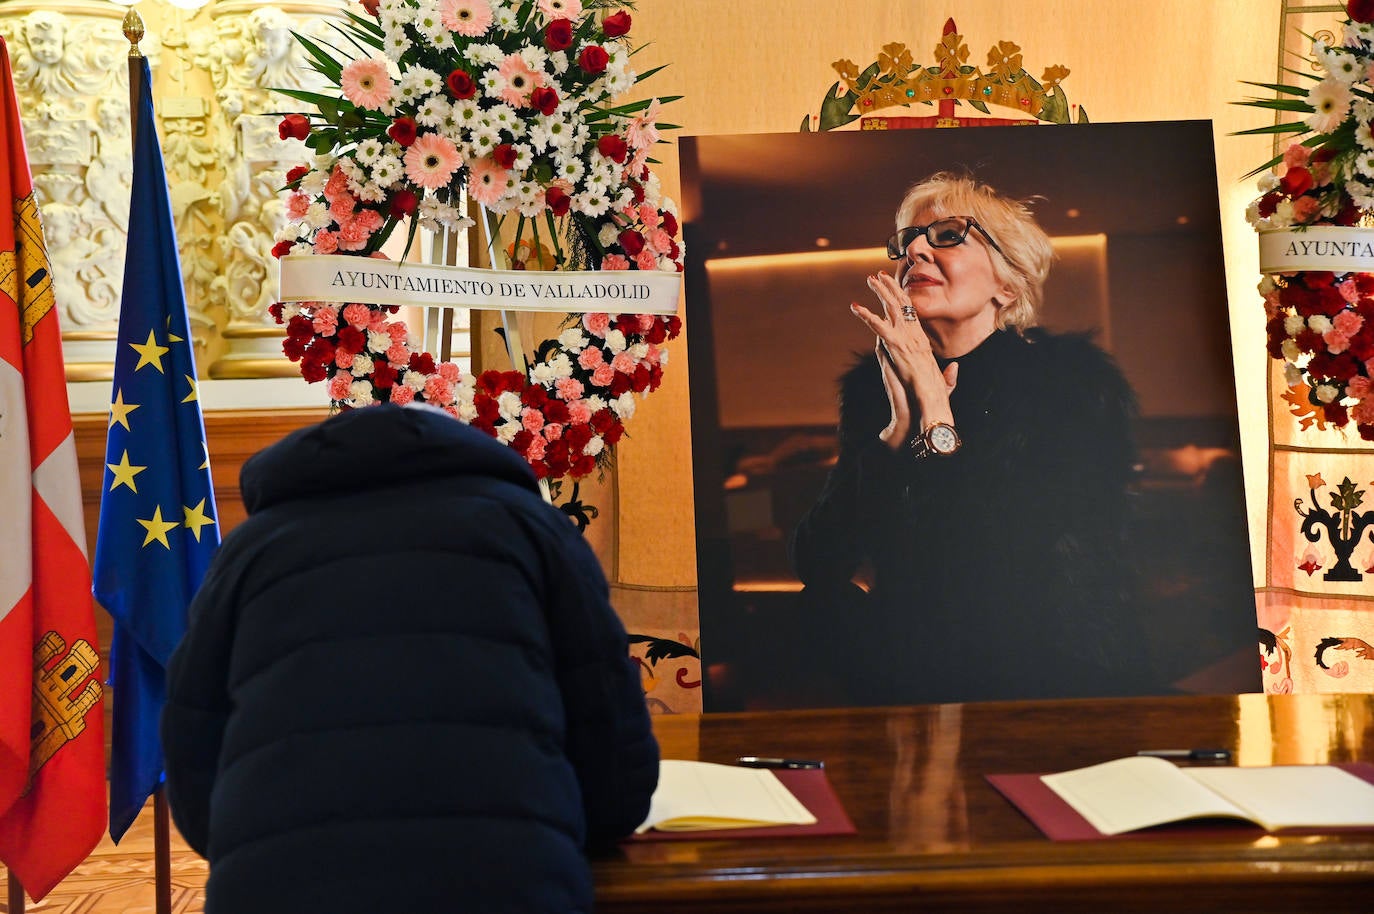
<point x="949" y="232"/>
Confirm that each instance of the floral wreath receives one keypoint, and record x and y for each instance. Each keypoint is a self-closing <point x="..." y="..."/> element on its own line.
<point x="507" y="101"/>
<point x="1321" y="324"/>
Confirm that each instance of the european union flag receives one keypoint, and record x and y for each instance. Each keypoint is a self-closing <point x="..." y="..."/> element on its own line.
<point x="157" y="508"/>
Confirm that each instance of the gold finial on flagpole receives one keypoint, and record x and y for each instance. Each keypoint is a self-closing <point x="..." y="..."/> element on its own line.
<point x="133" y="30"/>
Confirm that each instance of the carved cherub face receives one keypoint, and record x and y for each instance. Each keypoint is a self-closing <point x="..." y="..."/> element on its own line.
<point x="44" y="34"/>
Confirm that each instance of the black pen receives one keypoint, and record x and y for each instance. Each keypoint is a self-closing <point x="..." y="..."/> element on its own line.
<point x="754" y="761"/>
<point x="1192" y="755"/>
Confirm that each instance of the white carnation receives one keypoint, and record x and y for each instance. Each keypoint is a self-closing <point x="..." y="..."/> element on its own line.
<point x="360" y="392"/>
<point x="573" y="339"/>
<point x="506" y="432"/>
<point x="615" y="340"/>
<point x="1292" y="374"/>
<point x="542" y="374"/>
<point x="624" y="405"/>
<point x="1327" y="393"/>
<point x="509" y="405"/>
<point x="1318" y="322"/>
<point x="595" y="446"/>
<point x="562" y="366"/>
<point x="1290" y="349"/>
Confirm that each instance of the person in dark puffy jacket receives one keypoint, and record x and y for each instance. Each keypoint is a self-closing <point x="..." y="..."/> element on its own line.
<point x="403" y="687"/>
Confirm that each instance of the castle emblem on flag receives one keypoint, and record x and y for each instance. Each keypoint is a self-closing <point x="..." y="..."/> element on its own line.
<point x="27" y="264"/>
<point x="60" y="715"/>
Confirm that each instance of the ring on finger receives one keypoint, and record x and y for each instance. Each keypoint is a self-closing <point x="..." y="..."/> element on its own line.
<point x="908" y="312"/>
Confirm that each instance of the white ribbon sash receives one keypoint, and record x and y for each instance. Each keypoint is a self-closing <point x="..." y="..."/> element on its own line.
<point x="1334" y="248"/>
<point x="345" y="278"/>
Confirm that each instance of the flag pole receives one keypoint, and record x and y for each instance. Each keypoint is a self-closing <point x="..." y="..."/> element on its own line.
<point x="162" y="849"/>
<point x="16" y="894"/>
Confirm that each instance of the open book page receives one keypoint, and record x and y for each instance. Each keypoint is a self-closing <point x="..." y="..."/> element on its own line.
<point x="695" y="796"/>
<point x="1293" y="796"/>
<point x="1130" y="793"/>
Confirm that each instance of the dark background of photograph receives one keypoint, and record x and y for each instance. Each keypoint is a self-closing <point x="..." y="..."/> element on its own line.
<point x="782" y="229"/>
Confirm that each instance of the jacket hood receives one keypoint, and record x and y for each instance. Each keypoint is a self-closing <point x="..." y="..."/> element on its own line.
<point x="375" y="447"/>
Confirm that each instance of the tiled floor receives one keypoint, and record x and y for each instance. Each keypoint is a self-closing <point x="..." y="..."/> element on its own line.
<point x="119" y="879"/>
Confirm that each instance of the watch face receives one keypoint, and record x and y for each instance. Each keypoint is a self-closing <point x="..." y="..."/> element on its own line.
<point x="943" y="439"/>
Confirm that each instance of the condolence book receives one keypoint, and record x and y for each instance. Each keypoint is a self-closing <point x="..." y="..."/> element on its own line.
<point x="702" y="796"/>
<point x="1130" y="794"/>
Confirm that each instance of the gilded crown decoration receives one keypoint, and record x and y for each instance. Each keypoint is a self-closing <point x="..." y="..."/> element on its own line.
<point x="895" y="80"/>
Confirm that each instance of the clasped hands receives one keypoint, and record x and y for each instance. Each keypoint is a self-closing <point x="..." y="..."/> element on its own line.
<point x="917" y="390"/>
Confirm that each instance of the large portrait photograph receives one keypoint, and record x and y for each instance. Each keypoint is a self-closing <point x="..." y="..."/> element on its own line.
<point x="964" y="417"/>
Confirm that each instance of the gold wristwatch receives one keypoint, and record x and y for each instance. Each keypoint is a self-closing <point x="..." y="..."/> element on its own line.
<point x="938" y="438"/>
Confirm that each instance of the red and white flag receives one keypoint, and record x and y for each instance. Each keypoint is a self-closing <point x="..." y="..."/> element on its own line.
<point x="52" y="744"/>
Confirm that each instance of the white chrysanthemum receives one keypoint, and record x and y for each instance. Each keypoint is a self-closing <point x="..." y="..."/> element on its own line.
<point x="1292" y="374"/>
<point x="484" y="55"/>
<point x="1330" y="100"/>
<point x="492" y="83"/>
<point x="663" y="358"/>
<point x="352" y="170"/>
<point x="562" y="366"/>
<point x="387" y="170"/>
<point x="1293" y="324"/>
<point x="418" y="82"/>
<point x="1340" y="65"/>
<point x="506" y="432"/>
<point x="534" y="57"/>
<point x="503" y="117"/>
<point x="505" y="18"/>
<point x="433" y="111"/>
<point x="615" y="340"/>
<point x="619" y="81"/>
<point x="369" y="149"/>
<point x="538" y="137"/>
<point x="591" y="202"/>
<point x="572" y="339"/>
<point x="595" y="446"/>
<point x="1327" y="393"/>
<point x="509" y="404"/>
<point x="558" y="62"/>
<point x="524" y="157"/>
<point x="1364" y="163"/>
<point x="568" y="167"/>
<point x="1318" y="322"/>
<point x="624" y="405"/>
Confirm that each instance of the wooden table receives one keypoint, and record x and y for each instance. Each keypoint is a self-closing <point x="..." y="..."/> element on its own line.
<point x="933" y="835"/>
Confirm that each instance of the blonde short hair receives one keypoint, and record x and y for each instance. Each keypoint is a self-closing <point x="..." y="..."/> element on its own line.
<point x="1026" y="249"/>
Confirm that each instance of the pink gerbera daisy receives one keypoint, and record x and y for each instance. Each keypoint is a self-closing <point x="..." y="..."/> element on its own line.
<point x="366" y="83"/>
<point x="561" y="9"/>
<point x="471" y="18"/>
<point x="431" y="160"/>
<point x="519" y="79"/>
<point x="487" y="182"/>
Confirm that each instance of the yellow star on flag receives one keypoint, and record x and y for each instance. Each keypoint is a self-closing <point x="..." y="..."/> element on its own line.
<point x="119" y="410"/>
<point x="124" y="473"/>
<point x="157" y="528"/>
<point x="196" y="518"/>
<point x="194" y="395"/>
<point x="150" y="353"/>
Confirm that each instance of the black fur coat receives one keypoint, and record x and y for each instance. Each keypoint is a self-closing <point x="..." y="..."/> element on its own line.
<point x="1001" y="571"/>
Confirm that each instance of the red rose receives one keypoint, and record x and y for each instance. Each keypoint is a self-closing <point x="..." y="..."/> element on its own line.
<point x="504" y="155"/>
<point x="558" y="36"/>
<point x="461" y="85"/>
<point x="371" y="6"/>
<point x="544" y="99"/>
<point x="281" y="249"/>
<point x="616" y="25"/>
<point x="593" y="59"/>
<point x="294" y="127"/>
<point x="403" y="203"/>
<point x="1296" y="181"/>
<point x="631" y="241"/>
<point x="402" y="130"/>
<point x="612" y="147"/>
<point x="557" y="200"/>
<point x="295" y="174"/>
<point x="1360" y="10"/>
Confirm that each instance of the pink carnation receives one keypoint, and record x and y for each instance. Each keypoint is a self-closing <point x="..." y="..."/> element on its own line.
<point x="579" y="413"/>
<point x="623" y="362"/>
<point x="649" y="215"/>
<point x="398" y="354"/>
<point x="357" y="315"/>
<point x="325" y="321"/>
<point x="1305" y="209"/>
<point x="596" y="323"/>
<point x="661" y="241"/>
<point x="590" y="358"/>
<point x="553" y="431"/>
<point x="1348" y="322"/>
<point x="338" y="386"/>
<point x="614" y="262"/>
<point x="646" y="259"/>
<point x="568" y="388"/>
<point x="326" y="242"/>
<point x="341" y="207"/>
<point x="603" y="375"/>
<point x="353" y="236"/>
<point x="1350" y="292"/>
<point x="450" y="372"/>
<point x="297" y="205"/>
<point x="438" y="390"/>
<point x="1363" y="412"/>
<point x="401" y="394"/>
<point x="1296" y="155"/>
<point x="336" y="185"/>
<point x="532" y="419"/>
<point x="343" y="359"/>
<point x="536" y="449"/>
<point x="646" y="322"/>
<point x="1359" y="387"/>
